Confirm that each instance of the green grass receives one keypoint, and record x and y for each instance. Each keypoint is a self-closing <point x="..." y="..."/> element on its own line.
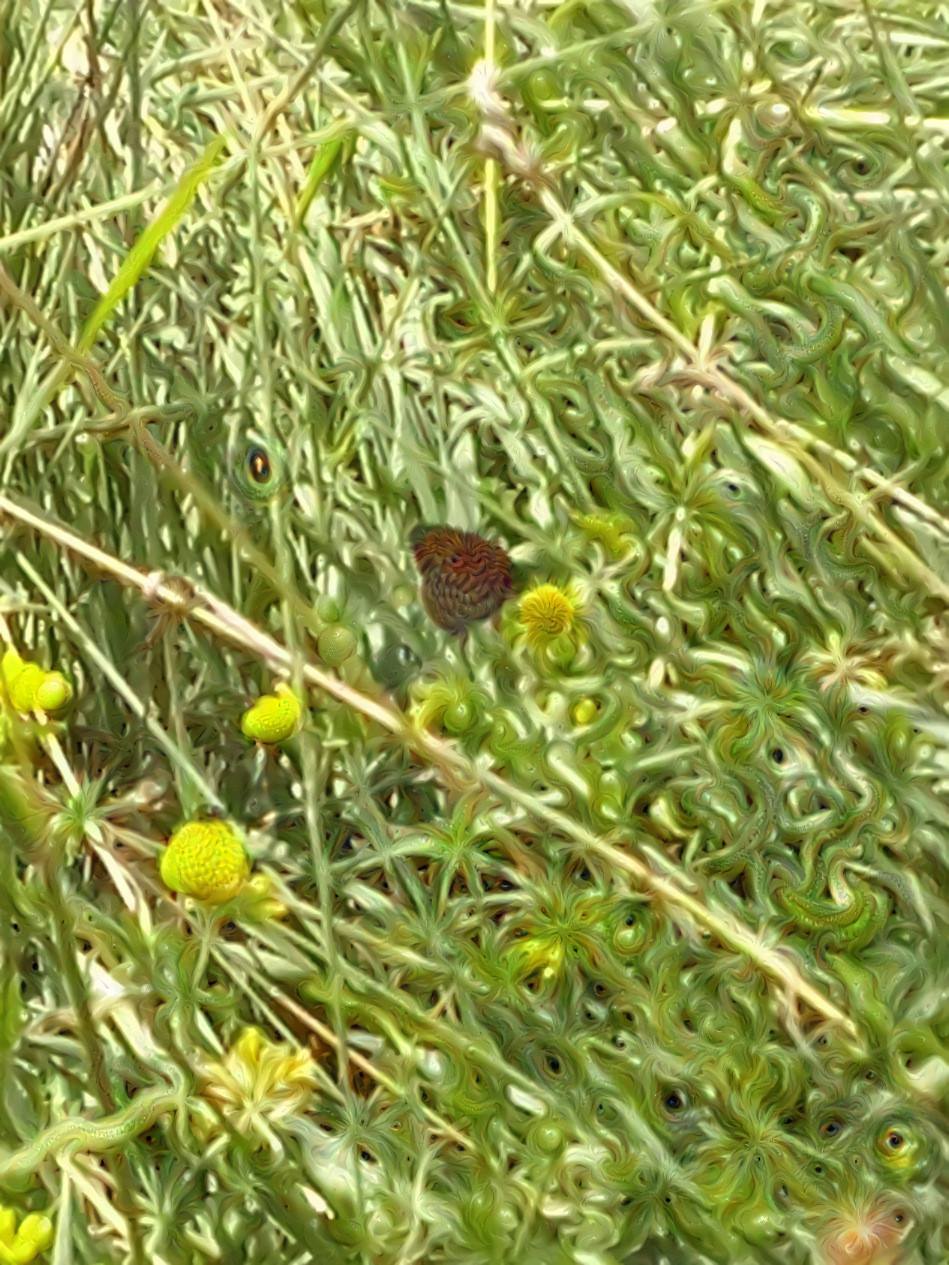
<point x="630" y="948"/>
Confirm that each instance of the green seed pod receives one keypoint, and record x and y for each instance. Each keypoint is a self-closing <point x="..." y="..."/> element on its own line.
<point x="205" y="859"/>
<point x="459" y="716"/>
<point x="628" y="931"/>
<point x="260" y="470"/>
<point x="394" y="666"/>
<point x="546" y="1136"/>
<point x="542" y="93"/>
<point x="610" y="794"/>
<point x="328" y="610"/>
<point x="54" y="693"/>
<point x="336" y="644"/>
<point x="452" y="703"/>
<point x="274" y="717"/>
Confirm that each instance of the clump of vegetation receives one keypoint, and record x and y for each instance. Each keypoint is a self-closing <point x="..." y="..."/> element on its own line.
<point x="588" y="905"/>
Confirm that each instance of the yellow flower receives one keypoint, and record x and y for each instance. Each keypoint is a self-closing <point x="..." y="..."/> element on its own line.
<point x="274" y="717"/>
<point x="548" y="613"/>
<point x="258" y="1083"/>
<point x="19" y="1245"/>
<point x="24" y="685"/>
<point x="205" y="859"/>
<point x="255" y="902"/>
<point x="53" y="692"/>
<point x="30" y="687"/>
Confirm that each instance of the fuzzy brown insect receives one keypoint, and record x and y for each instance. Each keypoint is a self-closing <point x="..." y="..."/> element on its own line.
<point x="464" y="577"/>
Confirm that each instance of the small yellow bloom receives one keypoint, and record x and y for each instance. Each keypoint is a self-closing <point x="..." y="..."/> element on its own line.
<point x="22" y="689"/>
<point x="274" y="717"/>
<point x="205" y="859"/>
<point x="11" y="666"/>
<point x="19" y="1245"/>
<point x="548" y="613"/>
<point x="258" y="1084"/>
<point x="54" y="692"/>
<point x="30" y="687"/>
<point x="584" y="711"/>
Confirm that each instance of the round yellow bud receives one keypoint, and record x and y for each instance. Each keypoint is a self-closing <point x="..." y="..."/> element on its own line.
<point x="54" y="693"/>
<point x="549" y="614"/>
<point x="584" y="711"/>
<point x="23" y="688"/>
<point x="274" y="717"/>
<point x="7" y="1225"/>
<point x="11" y="666"/>
<point x="35" y="1233"/>
<point x="205" y="859"/>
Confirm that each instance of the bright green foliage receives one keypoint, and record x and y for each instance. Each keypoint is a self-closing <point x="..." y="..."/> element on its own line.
<point x="617" y="933"/>
<point x="455" y="705"/>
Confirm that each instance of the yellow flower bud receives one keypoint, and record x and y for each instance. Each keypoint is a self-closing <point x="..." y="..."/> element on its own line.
<point x="19" y="1246"/>
<point x="584" y="711"/>
<point x="205" y="859"/>
<point x="34" y="1235"/>
<point x="274" y="717"/>
<point x="11" y="666"/>
<point x="30" y="687"/>
<point x="550" y="615"/>
<point x="54" y="693"/>
<point x="24" y="687"/>
<point x="7" y="1225"/>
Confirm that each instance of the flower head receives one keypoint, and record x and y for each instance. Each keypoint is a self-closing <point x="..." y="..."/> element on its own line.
<point x="31" y="688"/>
<point x="274" y="717"/>
<point x="464" y="576"/>
<point x="205" y="859"/>
<point x="548" y="613"/>
<point x="866" y="1235"/>
<point x="260" y="1082"/>
<point x="22" y="1243"/>
<point x="23" y="687"/>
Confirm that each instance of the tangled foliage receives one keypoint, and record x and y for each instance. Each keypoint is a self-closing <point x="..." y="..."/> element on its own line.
<point x="616" y="932"/>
